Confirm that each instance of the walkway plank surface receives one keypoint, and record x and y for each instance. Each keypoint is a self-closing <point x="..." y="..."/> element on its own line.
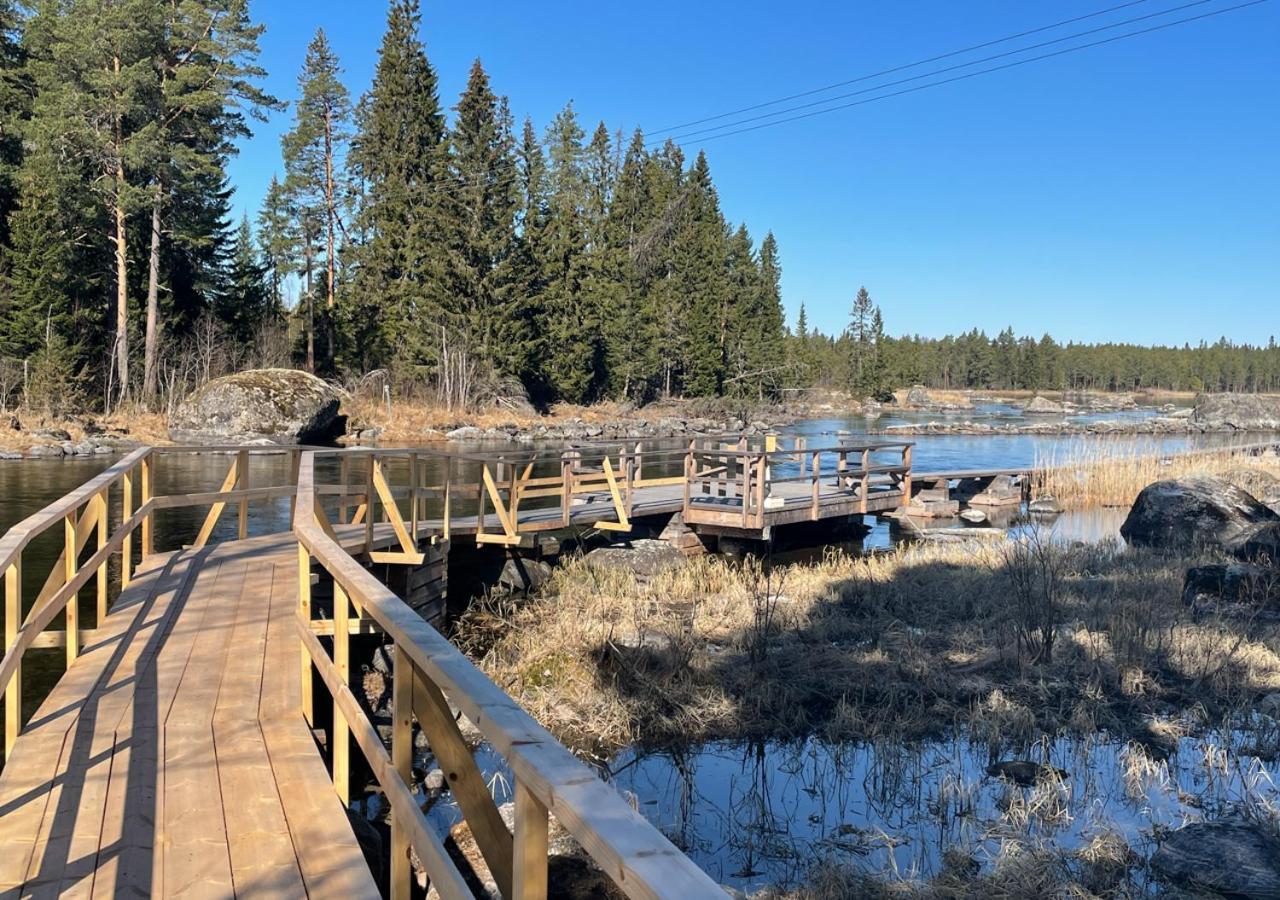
<point x="172" y="758"/>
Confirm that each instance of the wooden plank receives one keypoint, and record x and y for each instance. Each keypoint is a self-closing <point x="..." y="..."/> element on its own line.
<point x="328" y="856"/>
<point x="13" y="690"/>
<point x="39" y="797"/>
<point x="211" y="520"/>
<point x="402" y="691"/>
<point x="126" y="843"/>
<point x="531" y="847"/>
<point x="180" y="786"/>
<point x="261" y="849"/>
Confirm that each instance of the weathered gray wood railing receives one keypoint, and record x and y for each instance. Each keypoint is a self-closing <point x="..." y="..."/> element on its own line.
<point x="429" y="673"/>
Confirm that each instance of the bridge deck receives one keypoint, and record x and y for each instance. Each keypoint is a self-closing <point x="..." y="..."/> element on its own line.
<point x="172" y="758"/>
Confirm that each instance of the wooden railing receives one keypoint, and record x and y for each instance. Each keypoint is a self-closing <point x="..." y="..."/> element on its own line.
<point x="737" y="485"/>
<point x="124" y="493"/>
<point x="429" y="673"/>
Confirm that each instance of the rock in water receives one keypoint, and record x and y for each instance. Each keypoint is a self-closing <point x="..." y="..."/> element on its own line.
<point x="1193" y="514"/>
<point x="974" y="516"/>
<point x="1227" y="858"/>
<point x="282" y="405"/>
<point x="1237" y="412"/>
<point x="1024" y="772"/>
<point x="1041" y="406"/>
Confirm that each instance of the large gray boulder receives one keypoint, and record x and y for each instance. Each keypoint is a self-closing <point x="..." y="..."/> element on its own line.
<point x="1043" y="406"/>
<point x="281" y="405"/>
<point x="1228" y="859"/>
<point x="1237" y="412"/>
<point x="643" y="558"/>
<point x="1194" y="514"/>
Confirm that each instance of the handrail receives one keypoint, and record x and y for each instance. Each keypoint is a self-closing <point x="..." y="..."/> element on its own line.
<point x="549" y="778"/>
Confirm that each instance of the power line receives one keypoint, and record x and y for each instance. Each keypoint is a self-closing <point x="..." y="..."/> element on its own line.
<point x="900" y="68"/>
<point x="967" y="75"/>
<point x="964" y="65"/>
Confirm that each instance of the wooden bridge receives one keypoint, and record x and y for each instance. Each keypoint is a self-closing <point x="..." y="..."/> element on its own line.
<point x="203" y="738"/>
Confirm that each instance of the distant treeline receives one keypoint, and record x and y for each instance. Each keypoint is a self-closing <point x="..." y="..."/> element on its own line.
<point x="869" y="362"/>
<point x="461" y="253"/>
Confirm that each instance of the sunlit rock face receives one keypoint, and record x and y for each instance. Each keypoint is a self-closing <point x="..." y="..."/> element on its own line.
<point x="279" y="405"/>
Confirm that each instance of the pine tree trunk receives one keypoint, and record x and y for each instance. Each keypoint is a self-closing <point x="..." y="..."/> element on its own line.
<point x="149" y="375"/>
<point x="122" y="263"/>
<point x="331" y="217"/>
<point x="311" y="310"/>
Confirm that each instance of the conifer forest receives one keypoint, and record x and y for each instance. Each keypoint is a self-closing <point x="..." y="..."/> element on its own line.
<point x="446" y="242"/>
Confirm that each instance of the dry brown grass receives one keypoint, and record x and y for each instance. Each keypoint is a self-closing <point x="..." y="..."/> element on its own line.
<point x="905" y="644"/>
<point x="1095" y="473"/>
<point x="135" y="424"/>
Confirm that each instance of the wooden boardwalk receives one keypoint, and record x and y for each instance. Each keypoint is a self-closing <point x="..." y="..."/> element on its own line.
<point x="175" y="756"/>
<point x="172" y="759"/>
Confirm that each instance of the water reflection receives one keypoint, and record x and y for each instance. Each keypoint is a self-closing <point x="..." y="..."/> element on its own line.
<point x="763" y="814"/>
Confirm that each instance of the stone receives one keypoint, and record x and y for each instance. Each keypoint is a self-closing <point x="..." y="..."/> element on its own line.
<point x="1044" y="506"/>
<point x="974" y="516"/>
<point x="521" y="576"/>
<point x="1042" y="406"/>
<point x="48" y="451"/>
<point x="1237" y="412"/>
<point x="283" y="405"/>
<point x="1235" y="583"/>
<point x="52" y="434"/>
<point x="465" y="433"/>
<point x="1261" y="545"/>
<point x="1024" y="772"/>
<point x="1187" y="514"/>
<point x="1231" y="859"/>
<point x="644" y="558"/>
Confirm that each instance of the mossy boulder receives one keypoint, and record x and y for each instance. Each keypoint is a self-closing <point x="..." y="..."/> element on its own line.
<point x="281" y="405"/>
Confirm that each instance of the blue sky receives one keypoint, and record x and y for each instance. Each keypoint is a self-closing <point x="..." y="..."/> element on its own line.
<point x="1126" y="192"/>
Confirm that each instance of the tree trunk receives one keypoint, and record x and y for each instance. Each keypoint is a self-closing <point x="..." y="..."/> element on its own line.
<point x="330" y="220"/>
<point x="153" y="304"/>
<point x="122" y="288"/>
<point x="311" y="308"/>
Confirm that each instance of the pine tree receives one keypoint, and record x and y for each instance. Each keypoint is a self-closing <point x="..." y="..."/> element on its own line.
<point x="528" y="345"/>
<point x="315" y="153"/>
<point x="861" y="343"/>
<point x="769" y="325"/>
<point x="394" y="154"/>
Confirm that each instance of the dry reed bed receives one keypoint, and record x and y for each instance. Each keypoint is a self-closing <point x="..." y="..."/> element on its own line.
<point x="905" y="644"/>
<point x="1097" y="472"/>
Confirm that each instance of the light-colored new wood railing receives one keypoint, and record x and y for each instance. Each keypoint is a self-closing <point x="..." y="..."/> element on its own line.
<point x="428" y="675"/>
<point x="85" y="516"/>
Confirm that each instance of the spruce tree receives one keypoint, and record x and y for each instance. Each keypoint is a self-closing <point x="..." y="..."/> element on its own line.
<point x="278" y="241"/>
<point x="701" y="249"/>
<point x="474" y="285"/>
<point x="394" y="154"/>
<point x="244" y="304"/>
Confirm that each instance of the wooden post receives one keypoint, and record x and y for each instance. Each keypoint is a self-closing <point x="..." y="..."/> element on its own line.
<point x="762" y="483"/>
<point x="413" y="497"/>
<point x="304" y="610"/>
<point x="688" y="477"/>
<point x="12" y="621"/>
<point x="529" y="872"/>
<point x="866" y="477"/>
<point x="368" y="502"/>
<point x="566" y="487"/>
<point x="295" y="463"/>
<point x="242" y="482"/>
<point x="799" y="446"/>
<point x="448" y="494"/>
<point x="71" y="561"/>
<point x="402" y="759"/>
<point x="344" y="472"/>
<point x="102" y="542"/>
<point x="126" y="552"/>
<point x="817" y="484"/>
<point x="341" y="662"/>
<point x="745" y="487"/>
<point x="906" y="479"/>
<point x="148" y="521"/>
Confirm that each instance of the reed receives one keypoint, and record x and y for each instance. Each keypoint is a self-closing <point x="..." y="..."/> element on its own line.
<point x="1096" y="471"/>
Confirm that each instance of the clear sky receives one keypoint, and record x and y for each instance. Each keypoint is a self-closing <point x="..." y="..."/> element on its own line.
<point x="1126" y="192"/>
